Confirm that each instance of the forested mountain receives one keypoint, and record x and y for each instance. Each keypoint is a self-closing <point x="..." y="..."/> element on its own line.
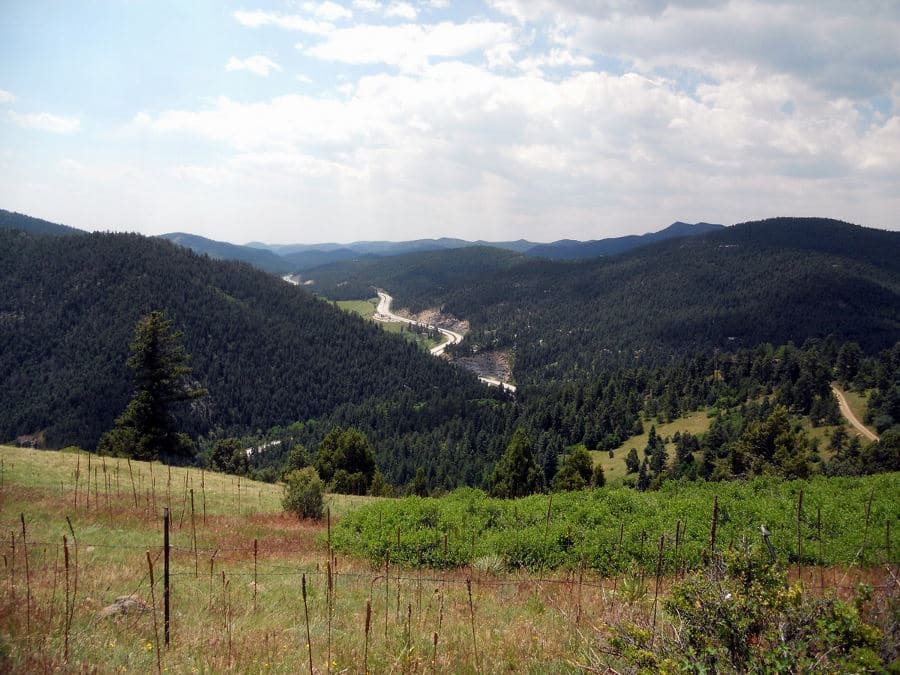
<point x="769" y="281"/>
<point x="10" y="220"/>
<point x="424" y="277"/>
<point x="596" y="345"/>
<point x="568" y="249"/>
<point x="221" y="250"/>
<point x="269" y="353"/>
<point x="291" y="258"/>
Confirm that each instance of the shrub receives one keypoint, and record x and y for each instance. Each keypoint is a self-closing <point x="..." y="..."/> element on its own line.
<point x="749" y="619"/>
<point x="304" y="493"/>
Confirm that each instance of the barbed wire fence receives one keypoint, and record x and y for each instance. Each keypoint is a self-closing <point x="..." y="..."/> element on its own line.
<point x="230" y="582"/>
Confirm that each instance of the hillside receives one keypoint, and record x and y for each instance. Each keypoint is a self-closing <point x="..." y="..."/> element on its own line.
<point x="239" y="567"/>
<point x="567" y="249"/>
<point x="424" y="278"/>
<point x="260" y="258"/>
<point x="773" y="281"/>
<point x="10" y="220"/>
<point x="269" y="353"/>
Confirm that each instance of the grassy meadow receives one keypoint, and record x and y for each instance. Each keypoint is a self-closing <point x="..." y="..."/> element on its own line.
<point x="238" y="570"/>
<point x="236" y="611"/>
<point x="614" y="467"/>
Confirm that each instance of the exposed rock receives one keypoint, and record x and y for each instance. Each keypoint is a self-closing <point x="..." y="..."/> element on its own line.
<point x="124" y="604"/>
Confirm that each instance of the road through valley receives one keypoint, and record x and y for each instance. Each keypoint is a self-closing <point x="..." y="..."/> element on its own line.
<point x="383" y="313"/>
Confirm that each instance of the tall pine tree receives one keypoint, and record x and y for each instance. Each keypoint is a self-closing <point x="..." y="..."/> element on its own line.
<point x="148" y="428"/>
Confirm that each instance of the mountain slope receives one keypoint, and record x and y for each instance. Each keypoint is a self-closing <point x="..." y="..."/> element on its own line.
<point x="567" y="249"/>
<point x="771" y="281"/>
<point x="268" y="352"/>
<point x="11" y="220"/>
<point x="423" y="277"/>
<point x="262" y="259"/>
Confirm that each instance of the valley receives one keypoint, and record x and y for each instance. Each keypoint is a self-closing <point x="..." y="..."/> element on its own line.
<point x="667" y="403"/>
<point x="419" y="337"/>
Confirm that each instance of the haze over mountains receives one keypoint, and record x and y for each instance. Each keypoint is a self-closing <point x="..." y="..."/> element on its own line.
<point x="291" y="258"/>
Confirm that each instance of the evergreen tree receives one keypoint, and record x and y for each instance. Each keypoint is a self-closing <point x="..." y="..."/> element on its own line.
<point x="643" y="481"/>
<point x="147" y="429"/>
<point x="632" y="463"/>
<point x="228" y="456"/>
<point x="598" y="478"/>
<point x="419" y="485"/>
<point x="516" y="474"/>
<point x="574" y="471"/>
<point x="346" y="461"/>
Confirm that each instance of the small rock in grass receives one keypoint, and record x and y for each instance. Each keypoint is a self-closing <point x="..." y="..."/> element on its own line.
<point x="124" y="604"/>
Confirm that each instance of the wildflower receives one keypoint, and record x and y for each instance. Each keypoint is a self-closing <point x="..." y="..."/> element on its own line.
<point x="148" y="646"/>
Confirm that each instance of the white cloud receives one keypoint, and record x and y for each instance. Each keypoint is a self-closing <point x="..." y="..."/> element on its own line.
<point x="367" y="5"/>
<point x="257" y="64"/>
<point x="303" y="78"/>
<point x="259" y="18"/>
<point x="555" y="58"/>
<point x="329" y="11"/>
<point x="408" y="46"/>
<point x="46" y="122"/>
<point x="476" y="149"/>
<point x="500" y="56"/>
<point x="71" y="166"/>
<point x="401" y="10"/>
<point x="6" y="97"/>
<point x="833" y="45"/>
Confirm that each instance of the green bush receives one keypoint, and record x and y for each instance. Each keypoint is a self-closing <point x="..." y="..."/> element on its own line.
<point x="304" y="493"/>
<point x="611" y="529"/>
<point x="740" y="616"/>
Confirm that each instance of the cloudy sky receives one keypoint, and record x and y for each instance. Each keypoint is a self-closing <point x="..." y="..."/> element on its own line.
<point x="341" y="120"/>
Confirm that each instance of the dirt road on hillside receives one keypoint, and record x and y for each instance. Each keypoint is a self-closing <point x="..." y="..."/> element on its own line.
<point x="850" y="417"/>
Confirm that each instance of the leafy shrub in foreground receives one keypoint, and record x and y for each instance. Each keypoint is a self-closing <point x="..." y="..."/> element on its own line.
<point x="741" y="616"/>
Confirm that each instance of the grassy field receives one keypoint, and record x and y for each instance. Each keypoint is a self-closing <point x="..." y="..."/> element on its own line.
<point x="614" y="468"/>
<point x="238" y="573"/>
<point x="239" y="612"/>
<point x="366" y="309"/>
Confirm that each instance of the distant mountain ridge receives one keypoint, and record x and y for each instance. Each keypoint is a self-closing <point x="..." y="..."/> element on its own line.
<point x="281" y="259"/>
<point x="568" y="249"/>
<point x="12" y="220"/>
<point x="309" y="256"/>
<point x="220" y="250"/>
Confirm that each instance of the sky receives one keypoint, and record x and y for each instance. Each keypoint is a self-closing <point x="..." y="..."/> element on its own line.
<point x="342" y="120"/>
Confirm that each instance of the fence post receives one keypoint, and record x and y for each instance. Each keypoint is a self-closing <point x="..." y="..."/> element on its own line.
<point x="166" y="589"/>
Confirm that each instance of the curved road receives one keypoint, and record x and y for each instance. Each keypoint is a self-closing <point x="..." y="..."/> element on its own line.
<point x="383" y="313"/>
<point x="848" y="414"/>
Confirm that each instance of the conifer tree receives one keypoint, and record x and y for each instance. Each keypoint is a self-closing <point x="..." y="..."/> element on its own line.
<point x="516" y="474"/>
<point x="147" y="429"/>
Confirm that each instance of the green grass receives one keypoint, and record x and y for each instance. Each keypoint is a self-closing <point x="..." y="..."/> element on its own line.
<point x="614" y="469"/>
<point x="365" y="308"/>
<point x="585" y="526"/>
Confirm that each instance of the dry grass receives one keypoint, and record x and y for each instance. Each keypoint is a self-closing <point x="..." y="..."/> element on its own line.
<point x="522" y="623"/>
